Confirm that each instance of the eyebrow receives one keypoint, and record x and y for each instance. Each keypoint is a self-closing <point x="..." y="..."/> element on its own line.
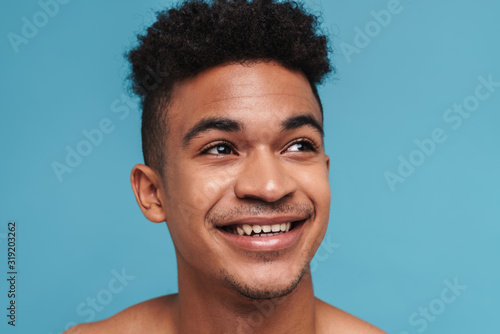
<point x="230" y="125"/>
<point x="299" y="121"/>
<point x="213" y="123"/>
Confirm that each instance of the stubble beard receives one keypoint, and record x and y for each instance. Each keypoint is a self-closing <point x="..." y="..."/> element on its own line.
<point x="230" y="281"/>
<point x="235" y="284"/>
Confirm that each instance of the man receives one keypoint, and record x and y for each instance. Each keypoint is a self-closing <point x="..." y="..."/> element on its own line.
<point x="235" y="164"/>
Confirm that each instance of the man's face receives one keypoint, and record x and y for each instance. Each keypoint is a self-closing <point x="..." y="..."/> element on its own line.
<point x="245" y="152"/>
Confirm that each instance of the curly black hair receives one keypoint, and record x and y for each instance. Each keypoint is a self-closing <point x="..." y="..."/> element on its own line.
<point x="198" y="35"/>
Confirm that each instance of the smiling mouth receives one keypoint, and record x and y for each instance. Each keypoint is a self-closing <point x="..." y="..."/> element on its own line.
<point x="260" y="230"/>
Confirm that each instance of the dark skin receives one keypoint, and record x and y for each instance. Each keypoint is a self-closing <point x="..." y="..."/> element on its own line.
<point x="244" y="147"/>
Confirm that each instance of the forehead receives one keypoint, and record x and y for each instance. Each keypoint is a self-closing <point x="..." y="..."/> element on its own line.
<point x="261" y="93"/>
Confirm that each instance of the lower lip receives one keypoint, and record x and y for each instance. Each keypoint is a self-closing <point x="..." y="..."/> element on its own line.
<point x="265" y="244"/>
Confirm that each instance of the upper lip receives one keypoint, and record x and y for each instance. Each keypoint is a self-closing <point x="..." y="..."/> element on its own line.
<point x="262" y="220"/>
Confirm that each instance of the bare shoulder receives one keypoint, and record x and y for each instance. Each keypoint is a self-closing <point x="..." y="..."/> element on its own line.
<point x="152" y="316"/>
<point x="333" y="320"/>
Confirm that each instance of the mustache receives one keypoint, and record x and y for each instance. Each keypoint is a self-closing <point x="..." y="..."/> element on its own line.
<point x="224" y="215"/>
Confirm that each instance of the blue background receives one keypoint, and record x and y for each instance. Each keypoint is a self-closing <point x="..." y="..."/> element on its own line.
<point x="389" y="250"/>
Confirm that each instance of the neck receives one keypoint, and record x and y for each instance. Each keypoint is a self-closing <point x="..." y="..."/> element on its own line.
<point x="207" y="307"/>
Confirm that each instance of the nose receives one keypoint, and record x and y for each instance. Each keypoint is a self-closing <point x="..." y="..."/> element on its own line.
<point x="265" y="177"/>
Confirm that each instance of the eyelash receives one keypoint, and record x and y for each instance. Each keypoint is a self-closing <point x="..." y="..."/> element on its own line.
<point x="207" y="148"/>
<point x="314" y="147"/>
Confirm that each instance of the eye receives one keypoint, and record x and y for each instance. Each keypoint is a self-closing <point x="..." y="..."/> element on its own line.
<point x="219" y="149"/>
<point x="302" y="145"/>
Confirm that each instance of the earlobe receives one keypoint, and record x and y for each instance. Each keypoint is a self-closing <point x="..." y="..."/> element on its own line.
<point x="146" y="185"/>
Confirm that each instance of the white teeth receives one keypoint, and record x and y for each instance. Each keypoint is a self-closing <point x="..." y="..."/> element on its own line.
<point x="248" y="229"/>
<point x="261" y="230"/>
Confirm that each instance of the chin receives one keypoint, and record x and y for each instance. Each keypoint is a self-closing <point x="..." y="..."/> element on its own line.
<point x="271" y="286"/>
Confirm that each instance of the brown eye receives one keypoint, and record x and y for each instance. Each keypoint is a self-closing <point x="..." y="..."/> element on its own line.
<point x="219" y="149"/>
<point x="302" y="146"/>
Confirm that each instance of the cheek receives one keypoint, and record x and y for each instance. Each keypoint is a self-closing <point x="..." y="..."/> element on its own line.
<point x="193" y="191"/>
<point x="315" y="184"/>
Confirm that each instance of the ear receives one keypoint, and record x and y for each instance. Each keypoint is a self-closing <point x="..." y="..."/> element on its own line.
<point x="146" y="184"/>
<point x="327" y="158"/>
